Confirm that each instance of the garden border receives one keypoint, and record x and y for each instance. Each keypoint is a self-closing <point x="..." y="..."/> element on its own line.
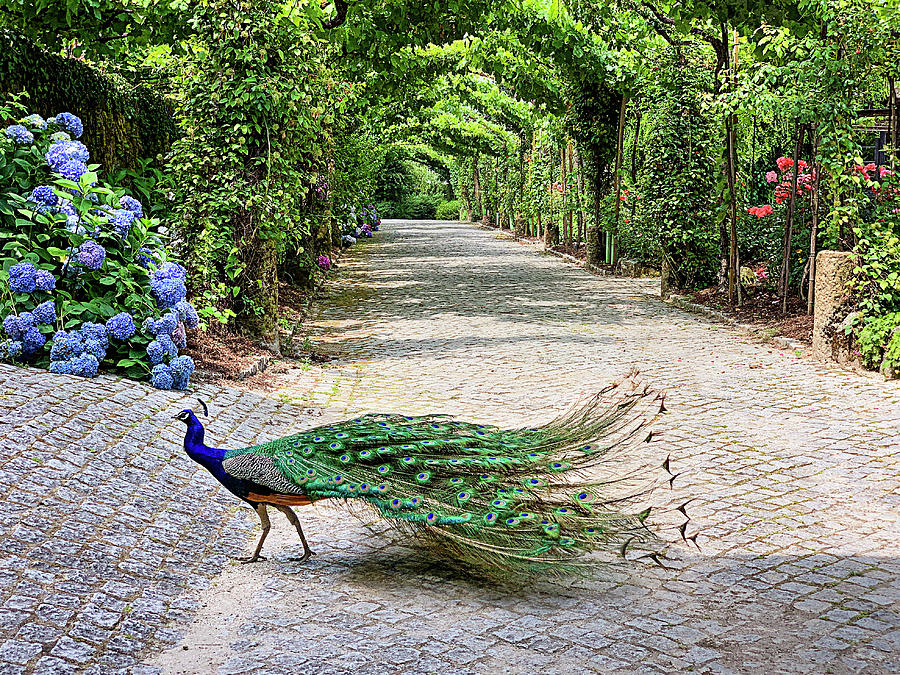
<point x="682" y="302"/>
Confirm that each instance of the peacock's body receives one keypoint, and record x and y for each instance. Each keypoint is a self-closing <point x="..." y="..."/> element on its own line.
<point x="506" y="501"/>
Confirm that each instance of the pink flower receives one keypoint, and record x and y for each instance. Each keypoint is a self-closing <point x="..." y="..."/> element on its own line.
<point x="771" y="177"/>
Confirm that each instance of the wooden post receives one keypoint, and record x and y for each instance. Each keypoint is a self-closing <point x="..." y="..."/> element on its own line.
<point x="734" y="263"/>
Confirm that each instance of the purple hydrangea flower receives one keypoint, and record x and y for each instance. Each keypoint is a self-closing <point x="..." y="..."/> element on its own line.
<point x="91" y="255"/>
<point x="121" y="326"/>
<point x="161" y="376"/>
<point x="69" y="122"/>
<point x="144" y="258"/>
<point x="21" y="278"/>
<point x="45" y="313"/>
<point x="181" y="367"/>
<point x="324" y="263"/>
<point x="179" y="337"/>
<point x="133" y="205"/>
<point x="44" y="280"/>
<point x="19" y="134"/>
<point x="188" y="314"/>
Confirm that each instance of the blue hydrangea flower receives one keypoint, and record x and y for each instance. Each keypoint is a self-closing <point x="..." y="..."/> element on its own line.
<point x="45" y="313"/>
<point x="95" y="331"/>
<point x="144" y="258"/>
<point x="44" y="196"/>
<point x="85" y="365"/>
<point x="32" y="341"/>
<point x="73" y="170"/>
<point x="121" y="220"/>
<point x="19" y="134"/>
<point x="96" y="348"/>
<point x="133" y="205"/>
<point x="70" y="123"/>
<point x="170" y="270"/>
<point x="35" y="121"/>
<point x="59" y="137"/>
<point x="12" y="327"/>
<point x="168" y="345"/>
<point x="155" y="352"/>
<point x="91" y="255"/>
<point x="169" y="292"/>
<point x="179" y="337"/>
<point x="66" y="151"/>
<point x="11" y="349"/>
<point x="66" y="346"/>
<point x="44" y="280"/>
<point x="121" y="326"/>
<point x="167" y="323"/>
<point x="188" y="314"/>
<point x="161" y="376"/>
<point x="182" y="368"/>
<point x="61" y="367"/>
<point x="26" y="321"/>
<point x="21" y="278"/>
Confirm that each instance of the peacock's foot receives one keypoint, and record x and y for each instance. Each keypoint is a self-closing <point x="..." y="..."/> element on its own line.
<point x="250" y="559"/>
<point x="303" y="558"/>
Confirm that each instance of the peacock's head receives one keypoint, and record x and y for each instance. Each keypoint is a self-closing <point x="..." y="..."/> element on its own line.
<point x="188" y="417"/>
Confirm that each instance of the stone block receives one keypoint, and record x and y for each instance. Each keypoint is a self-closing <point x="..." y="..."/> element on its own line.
<point x="833" y="271"/>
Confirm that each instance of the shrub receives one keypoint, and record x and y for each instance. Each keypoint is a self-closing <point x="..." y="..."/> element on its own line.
<point x="877" y="336"/>
<point x="448" y="210"/>
<point x="81" y="266"/>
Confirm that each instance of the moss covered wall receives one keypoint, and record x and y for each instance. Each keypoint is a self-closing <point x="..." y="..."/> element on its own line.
<point x="122" y="122"/>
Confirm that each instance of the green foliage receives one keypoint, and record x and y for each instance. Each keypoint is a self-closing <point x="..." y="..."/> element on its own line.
<point x="677" y="181"/>
<point x="876" y="282"/>
<point x="50" y="242"/>
<point x="878" y="342"/>
<point x="123" y="123"/>
<point x="448" y="210"/>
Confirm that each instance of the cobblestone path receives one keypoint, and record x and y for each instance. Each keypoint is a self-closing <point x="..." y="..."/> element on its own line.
<point x="114" y="546"/>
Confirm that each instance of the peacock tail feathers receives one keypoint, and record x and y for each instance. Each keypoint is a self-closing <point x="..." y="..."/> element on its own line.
<point x="507" y="501"/>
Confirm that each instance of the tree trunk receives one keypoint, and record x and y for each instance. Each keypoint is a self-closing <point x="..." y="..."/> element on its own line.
<point x="734" y="263"/>
<point x="618" y="182"/>
<point x="814" y="227"/>
<point x="800" y="130"/>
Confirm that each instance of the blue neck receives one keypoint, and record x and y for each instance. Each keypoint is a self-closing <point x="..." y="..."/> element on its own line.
<point x="209" y="458"/>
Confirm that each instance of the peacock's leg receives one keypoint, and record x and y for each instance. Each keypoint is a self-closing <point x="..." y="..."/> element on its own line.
<point x="266" y="526"/>
<point x="295" y="521"/>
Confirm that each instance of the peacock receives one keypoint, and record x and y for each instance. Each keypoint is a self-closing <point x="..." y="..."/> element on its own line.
<point x="506" y="502"/>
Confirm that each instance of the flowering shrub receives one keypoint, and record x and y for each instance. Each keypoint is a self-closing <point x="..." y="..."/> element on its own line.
<point x="81" y="267"/>
<point x="324" y="263"/>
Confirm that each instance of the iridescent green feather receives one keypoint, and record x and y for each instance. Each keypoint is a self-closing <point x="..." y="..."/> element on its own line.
<point x="509" y="502"/>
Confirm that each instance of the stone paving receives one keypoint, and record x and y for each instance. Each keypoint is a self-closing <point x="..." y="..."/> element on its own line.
<point x="115" y="546"/>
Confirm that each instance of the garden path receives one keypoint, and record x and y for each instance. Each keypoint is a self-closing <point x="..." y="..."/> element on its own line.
<point x="116" y="545"/>
<point x="794" y="467"/>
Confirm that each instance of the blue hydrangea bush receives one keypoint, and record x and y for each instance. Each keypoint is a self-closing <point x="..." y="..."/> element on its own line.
<point x="85" y="280"/>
